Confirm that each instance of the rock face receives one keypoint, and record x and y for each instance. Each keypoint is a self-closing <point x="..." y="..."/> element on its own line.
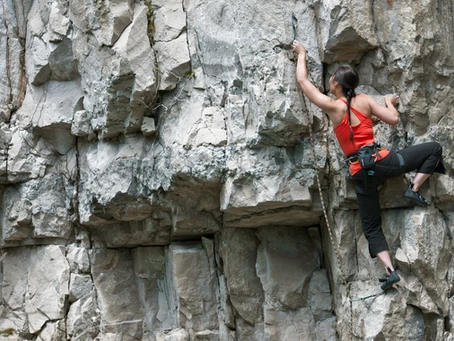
<point x="158" y="179"/>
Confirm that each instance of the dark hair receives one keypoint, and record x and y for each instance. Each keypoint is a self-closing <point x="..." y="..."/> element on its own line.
<point x="348" y="78"/>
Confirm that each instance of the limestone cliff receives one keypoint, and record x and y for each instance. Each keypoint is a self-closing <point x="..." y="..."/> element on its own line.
<point x="159" y="181"/>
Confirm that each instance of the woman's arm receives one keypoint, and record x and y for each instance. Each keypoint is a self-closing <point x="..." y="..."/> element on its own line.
<point x="388" y="114"/>
<point x="324" y="102"/>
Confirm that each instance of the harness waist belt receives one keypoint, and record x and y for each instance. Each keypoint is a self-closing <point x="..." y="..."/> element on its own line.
<point x="354" y="157"/>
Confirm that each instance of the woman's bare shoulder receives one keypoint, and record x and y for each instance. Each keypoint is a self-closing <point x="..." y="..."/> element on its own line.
<point x="361" y="102"/>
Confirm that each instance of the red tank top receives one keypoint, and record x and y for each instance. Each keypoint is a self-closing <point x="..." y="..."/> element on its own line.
<point x="363" y="134"/>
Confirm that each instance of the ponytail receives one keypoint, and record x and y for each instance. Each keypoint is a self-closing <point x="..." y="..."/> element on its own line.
<point x="348" y="78"/>
<point x="350" y="94"/>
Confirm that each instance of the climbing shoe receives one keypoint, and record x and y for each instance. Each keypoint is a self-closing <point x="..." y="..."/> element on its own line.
<point x="415" y="196"/>
<point x="389" y="280"/>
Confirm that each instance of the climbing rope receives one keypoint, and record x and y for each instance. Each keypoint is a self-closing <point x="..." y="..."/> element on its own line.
<point x="366" y="297"/>
<point x="325" y="213"/>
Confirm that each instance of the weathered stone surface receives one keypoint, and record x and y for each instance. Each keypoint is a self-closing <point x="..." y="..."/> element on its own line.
<point x="326" y="329"/>
<point x="79" y="286"/>
<point x="320" y="298"/>
<point x="12" y="322"/>
<point x="131" y="49"/>
<point x="78" y="259"/>
<point x="108" y="201"/>
<point x="286" y="260"/>
<point x="246" y="294"/>
<point x="350" y="32"/>
<point x="126" y="127"/>
<point x="148" y="127"/>
<point x="38" y="209"/>
<point x="291" y="325"/>
<point x="367" y="322"/>
<point x="13" y="28"/>
<point x="193" y="287"/>
<point x="117" y="295"/>
<point x="177" y="62"/>
<point x="444" y="192"/>
<point x="345" y="234"/>
<point x="152" y="231"/>
<point x="62" y="64"/>
<point x="285" y="188"/>
<point x="58" y="22"/>
<point x="427" y="252"/>
<point x="149" y="269"/>
<point x="51" y="105"/>
<point x="15" y="279"/>
<point x="83" y="317"/>
<point x="26" y="159"/>
<point x="109" y="22"/>
<point x="175" y="335"/>
<point x="206" y="335"/>
<point x="48" y="265"/>
<point x="53" y="331"/>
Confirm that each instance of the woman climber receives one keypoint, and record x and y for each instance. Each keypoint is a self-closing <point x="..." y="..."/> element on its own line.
<point x="368" y="164"/>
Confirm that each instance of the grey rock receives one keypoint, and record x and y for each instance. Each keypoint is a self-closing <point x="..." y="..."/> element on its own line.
<point x="39" y="208"/>
<point x="78" y="259"/>
<point x="286" y="260"/>
<point x="48" y="265"/>
<point x="59" y="23"/>
<point x="176" y="335"/>
<point x="193" y="287"/>
<point x="62" y="64"/>
<point x="148" y="127"/>
<point x="319" y="295"/>
<point x="79" y="285"/>
<point x="139" y="56"/>
<point x="53" y="331"/>
<point x="206" y="335"/>
<point x="177" y="62"/>
<point x="326" y="329"/>
<point x="81" y="125"/>
<point x="149" y="270"/>
<point x="108" y="23"/>
<point x="83" y="317"/>
<point x="239" y="246"/>
<point x="164" y="149"/>
<point x="113" y="277"/>
<point x="291" y="325"/>
<point x="14" y="278"/>
<point x="351" y="32"/>
<point x="13" y="322"/>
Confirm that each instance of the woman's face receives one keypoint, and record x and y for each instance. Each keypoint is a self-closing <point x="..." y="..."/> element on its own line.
<point x="332" y="84"/>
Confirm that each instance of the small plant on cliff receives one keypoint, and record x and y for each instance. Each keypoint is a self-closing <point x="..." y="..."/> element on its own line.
<point x="150" y="17"/>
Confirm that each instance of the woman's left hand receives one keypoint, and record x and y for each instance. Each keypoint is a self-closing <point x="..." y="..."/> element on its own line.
<point x="298" y="47"/>
<point x="394" y="99"/>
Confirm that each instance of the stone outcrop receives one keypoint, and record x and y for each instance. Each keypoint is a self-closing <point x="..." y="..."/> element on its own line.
<point x="159" y="172"/>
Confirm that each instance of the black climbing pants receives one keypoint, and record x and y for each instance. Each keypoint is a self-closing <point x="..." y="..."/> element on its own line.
<point x="424" y="158"/>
